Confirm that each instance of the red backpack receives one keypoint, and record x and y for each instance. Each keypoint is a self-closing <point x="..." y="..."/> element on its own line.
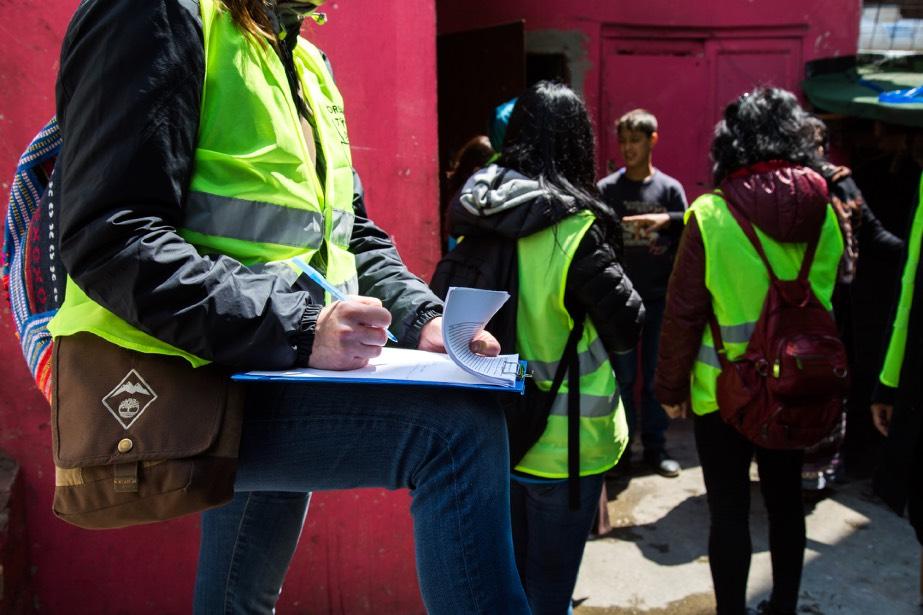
<point x="787" y="391"/>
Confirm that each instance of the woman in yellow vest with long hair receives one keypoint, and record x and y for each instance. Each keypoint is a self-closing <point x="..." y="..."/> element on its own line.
<point x="542" y="194"/>
<point x="205" y="148"/>
<point x="763" y="154"/>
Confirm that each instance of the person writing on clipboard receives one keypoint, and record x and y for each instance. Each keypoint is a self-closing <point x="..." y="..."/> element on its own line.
<point x="184" y="188"/>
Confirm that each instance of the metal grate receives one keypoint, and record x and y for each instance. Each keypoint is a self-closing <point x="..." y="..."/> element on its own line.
<point x="891" y="26"/>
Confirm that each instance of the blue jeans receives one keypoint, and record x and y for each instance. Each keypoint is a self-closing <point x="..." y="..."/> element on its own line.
<point x="447" y="446"/>
<point x="549" y="539"/>
<point x="654" y="421"/>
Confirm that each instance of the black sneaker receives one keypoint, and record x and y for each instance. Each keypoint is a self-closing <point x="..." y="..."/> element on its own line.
<point x="661" y="463"/>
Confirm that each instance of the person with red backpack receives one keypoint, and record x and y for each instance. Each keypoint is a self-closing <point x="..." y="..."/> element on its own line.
<point x="748" y="316"/>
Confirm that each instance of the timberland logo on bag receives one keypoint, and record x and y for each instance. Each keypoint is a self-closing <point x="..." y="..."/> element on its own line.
<point x="129" y="399"/>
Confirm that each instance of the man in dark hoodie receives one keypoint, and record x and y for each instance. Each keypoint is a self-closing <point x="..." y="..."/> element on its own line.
<point x="762" y="153"/>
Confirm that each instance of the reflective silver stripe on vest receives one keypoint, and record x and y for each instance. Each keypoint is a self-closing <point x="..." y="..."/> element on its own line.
<point x="342" y="230"/>
<point x="591" y="406"/>
<point x="590" y="360"/>
<point x="223" y="216"/>
<point x="737" y="334"/>
<point x="740" y="334"/>
<point x="709" y="356"/>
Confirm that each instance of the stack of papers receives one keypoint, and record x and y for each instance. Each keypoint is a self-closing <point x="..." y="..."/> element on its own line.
<point x="467" y="312"/>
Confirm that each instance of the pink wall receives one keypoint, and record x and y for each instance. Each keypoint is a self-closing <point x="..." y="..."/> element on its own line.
<point x="833" y="25"/>
<point x="766" y="41"/>
<point x="356" y="553"/>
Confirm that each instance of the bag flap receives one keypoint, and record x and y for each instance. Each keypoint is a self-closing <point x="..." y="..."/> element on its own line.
<point x="111" y="405"/>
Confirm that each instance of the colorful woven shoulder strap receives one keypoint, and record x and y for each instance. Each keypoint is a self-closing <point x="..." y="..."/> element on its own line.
<point x="29" y="253"/>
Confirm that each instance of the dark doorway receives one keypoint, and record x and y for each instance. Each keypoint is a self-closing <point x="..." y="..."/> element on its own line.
<point x="547" y="67"/>
<point x="477" y="70"/>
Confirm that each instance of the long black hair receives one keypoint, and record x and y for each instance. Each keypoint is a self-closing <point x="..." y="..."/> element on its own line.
<point x="550" y="139"/>
<point x="762" y="125"/>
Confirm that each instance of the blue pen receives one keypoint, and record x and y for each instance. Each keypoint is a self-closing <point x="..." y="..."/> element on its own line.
<point x="321" y="281"/>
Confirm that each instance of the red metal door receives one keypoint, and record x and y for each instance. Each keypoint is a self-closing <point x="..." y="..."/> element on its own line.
<point x="740" y="65"/>
<point x="686" y="78"/>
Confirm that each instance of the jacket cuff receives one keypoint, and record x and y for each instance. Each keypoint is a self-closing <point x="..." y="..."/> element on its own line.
<point x="304" y="339"/>
<point x="670" y="396"/>
<point x="883" y="394"/>
<point x="412" y="336"/>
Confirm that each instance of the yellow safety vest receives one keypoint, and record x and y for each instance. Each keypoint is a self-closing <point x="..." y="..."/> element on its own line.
<point x="897" y="344"/>
<point x="542" y="328"/>
<point x="255" y="195"/>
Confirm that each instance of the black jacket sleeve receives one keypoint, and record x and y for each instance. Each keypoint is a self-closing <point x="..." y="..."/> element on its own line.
<point x="128" y="96"/>
<point x="383" y="274"/>
<point x="597" y="283"/>
<point x="874" y="238"/>
<point x="688" y="309"/>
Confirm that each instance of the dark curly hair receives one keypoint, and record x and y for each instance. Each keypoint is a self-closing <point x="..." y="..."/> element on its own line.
<point x="762" y="125"/>
<point x="550" y="139"/>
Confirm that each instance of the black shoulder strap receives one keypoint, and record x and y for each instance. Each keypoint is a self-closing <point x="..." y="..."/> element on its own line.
<point x="570" y="365"/>
<point x="573" y="413"/>
<point x="570" y="350"/>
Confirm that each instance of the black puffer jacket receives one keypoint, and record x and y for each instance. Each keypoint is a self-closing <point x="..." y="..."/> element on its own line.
<point x="497" y="201"/>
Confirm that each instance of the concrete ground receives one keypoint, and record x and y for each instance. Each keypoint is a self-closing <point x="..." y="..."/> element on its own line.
<point x="861" y="559"/>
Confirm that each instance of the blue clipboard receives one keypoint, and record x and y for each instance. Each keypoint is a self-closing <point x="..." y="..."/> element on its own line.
<point x="295" y="376"/>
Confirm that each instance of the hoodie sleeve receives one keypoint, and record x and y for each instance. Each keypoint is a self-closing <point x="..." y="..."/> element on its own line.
<point x="687" y="311"/>
<point x="597" y="283"/>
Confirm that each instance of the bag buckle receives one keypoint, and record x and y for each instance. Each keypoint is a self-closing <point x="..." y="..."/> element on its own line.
<point x="762" y="367"/>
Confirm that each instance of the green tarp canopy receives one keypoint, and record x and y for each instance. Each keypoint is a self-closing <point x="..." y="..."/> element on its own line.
<point x="854" y="90"/>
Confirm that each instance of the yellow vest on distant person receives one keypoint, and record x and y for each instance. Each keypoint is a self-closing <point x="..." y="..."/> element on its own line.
<point x="897" y="342"/>
<point x="255" y="195"/>
<point x="542" y="328"/>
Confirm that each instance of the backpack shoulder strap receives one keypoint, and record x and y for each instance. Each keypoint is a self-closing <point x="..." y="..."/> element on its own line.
<point x="717" y="340"/>
<point x="747" y="227"/>
<point x="808" y="259"/>
<point x="748" y="230"/>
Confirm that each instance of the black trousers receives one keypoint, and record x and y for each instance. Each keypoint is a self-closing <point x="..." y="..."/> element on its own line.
<point x="725" y="456"/>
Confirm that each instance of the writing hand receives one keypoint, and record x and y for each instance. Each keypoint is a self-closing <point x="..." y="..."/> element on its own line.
<point x="349" y="333"/>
